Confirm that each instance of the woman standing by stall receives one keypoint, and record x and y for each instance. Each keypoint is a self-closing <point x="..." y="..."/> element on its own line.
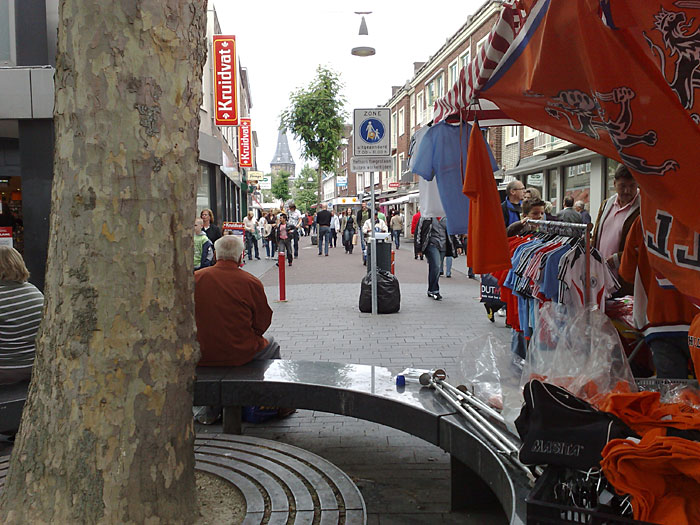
<point x="268" y="235"/>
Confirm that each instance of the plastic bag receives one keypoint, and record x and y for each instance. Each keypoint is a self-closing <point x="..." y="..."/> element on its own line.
<point x="488" y="371"/>
<point x="582" y="354"/>
<point x="388" y="293"/>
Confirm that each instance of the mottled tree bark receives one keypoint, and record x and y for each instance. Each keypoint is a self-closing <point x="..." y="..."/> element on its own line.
<point x="107" y="434"/>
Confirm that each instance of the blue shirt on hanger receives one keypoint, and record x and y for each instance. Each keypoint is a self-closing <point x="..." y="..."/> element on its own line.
<point x="442" y="154"/>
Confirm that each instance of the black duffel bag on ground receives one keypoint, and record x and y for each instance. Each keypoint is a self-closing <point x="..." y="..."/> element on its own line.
<point x="558" y="428"/>
<point x="388" y="293"/>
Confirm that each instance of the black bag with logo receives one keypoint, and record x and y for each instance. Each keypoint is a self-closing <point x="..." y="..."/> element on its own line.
<point x="558" y="428"/>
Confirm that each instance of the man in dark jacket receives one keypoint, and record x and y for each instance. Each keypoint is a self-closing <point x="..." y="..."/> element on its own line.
<point x="434" y="241"/>
<point x="511" y="206"/>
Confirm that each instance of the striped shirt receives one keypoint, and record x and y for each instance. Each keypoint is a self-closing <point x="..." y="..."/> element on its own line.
<point x="20" y="314"/>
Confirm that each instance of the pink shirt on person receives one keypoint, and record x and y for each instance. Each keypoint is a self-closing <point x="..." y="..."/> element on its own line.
<point x="611" y="229"/>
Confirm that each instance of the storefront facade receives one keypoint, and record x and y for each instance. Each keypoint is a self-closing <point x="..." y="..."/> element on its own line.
<point x="27" y="57"/>
<point x="582" y="174"/>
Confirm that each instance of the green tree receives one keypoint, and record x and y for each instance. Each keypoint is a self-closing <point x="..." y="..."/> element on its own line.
<point x="107" y="434"/>
<point x="304" y="193"/>
<point x="315" y="117"/>
<point x="280" y="186"/>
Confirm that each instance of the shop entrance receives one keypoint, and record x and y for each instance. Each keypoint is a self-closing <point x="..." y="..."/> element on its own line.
<point x="11" y="223"/>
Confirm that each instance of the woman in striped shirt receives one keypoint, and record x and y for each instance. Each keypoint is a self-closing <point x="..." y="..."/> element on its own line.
<point x="21" y="304"/>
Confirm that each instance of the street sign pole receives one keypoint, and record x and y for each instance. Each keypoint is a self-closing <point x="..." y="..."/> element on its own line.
<point x="372" y="152"/>
<point x="373" y="245"/>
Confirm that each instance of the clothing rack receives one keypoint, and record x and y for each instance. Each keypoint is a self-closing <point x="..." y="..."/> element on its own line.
<point x="571" y="229"/>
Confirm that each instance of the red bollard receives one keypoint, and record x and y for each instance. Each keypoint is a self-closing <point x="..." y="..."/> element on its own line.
<point x="393" y="255"/>
<point x="282" y="284"/>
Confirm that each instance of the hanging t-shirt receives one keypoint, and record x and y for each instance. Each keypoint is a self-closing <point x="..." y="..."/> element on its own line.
<point x="429" y="201"/>
<point x="442" y="155"/>
<point x="572" y="274"/>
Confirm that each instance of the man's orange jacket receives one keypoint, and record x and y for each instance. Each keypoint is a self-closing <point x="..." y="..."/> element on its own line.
<point x="232" y="314"/>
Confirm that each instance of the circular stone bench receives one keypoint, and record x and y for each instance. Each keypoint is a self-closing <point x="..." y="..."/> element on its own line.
<point x="480" y="473"/>
<point x="280" y="483"/>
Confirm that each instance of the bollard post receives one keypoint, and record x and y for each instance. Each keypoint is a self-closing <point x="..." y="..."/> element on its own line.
<point x="393" y="255"/>
<point x="282" y="283"/>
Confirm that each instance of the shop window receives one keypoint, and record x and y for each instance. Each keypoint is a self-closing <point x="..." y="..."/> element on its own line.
<point x="577" y="182"/>
<point x="203" y="193"/>
<point x="553" y="188"/>
<point x="11" y="220"/>
<point x="7" y="32"/>
<point x="611" y="166"/>
<point x="535" y="180"/>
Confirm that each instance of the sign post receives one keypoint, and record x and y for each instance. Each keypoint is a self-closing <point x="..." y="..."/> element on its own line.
<point x="371" y="149"/>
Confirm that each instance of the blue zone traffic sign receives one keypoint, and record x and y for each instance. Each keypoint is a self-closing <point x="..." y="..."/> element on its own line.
<point x="372" y="130"/>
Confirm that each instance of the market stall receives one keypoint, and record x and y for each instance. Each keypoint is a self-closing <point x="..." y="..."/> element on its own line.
<point x="620" y="78"/>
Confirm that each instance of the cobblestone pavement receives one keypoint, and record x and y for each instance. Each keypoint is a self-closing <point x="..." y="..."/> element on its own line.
<point x="403" y="479"/>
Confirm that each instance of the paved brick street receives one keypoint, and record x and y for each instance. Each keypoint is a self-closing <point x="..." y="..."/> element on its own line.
<point x="404" y="480"/>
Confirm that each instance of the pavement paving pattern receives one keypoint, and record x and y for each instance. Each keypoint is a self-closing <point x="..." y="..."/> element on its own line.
<point x="403" y="479"/>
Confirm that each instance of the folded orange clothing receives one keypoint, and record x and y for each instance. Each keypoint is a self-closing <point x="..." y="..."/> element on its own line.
<point x="660" y="473"/>
<point x="643" y="411"/>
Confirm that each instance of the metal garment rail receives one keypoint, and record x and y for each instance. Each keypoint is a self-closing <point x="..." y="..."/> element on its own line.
<point x="572" y="229"/>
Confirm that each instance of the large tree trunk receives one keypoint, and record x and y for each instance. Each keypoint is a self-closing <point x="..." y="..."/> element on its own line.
<point x="107" y="434"/>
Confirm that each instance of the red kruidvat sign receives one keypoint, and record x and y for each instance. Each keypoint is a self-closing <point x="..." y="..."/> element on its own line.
<point x="245" y="156"/>
<point x="225" y="81"/>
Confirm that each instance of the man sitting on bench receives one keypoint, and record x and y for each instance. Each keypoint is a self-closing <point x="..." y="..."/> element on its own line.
<point x="232" y="314"/>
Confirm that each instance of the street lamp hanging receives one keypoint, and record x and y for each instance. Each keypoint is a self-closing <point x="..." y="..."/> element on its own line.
<point x="363" y="48"/>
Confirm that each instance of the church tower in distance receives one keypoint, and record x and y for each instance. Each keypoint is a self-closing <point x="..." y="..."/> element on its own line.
<point x="282" y="161"/>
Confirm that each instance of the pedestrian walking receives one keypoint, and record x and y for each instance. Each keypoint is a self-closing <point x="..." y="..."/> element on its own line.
<point x="362" y="216"/>
<point x="414" y="226"/>
<point x="294" y="220"/>
<point x="323" y="219"/>
<point x="283" y="236"/>
<point x="379" y="227"/>
<point x="347" y="226"/>
<point x="335" y="228"/>
<point x="435" y="243"/>
<point x="396" y="225"/>
<point x="269" y="239"/>
<point x="251" y="236"/>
